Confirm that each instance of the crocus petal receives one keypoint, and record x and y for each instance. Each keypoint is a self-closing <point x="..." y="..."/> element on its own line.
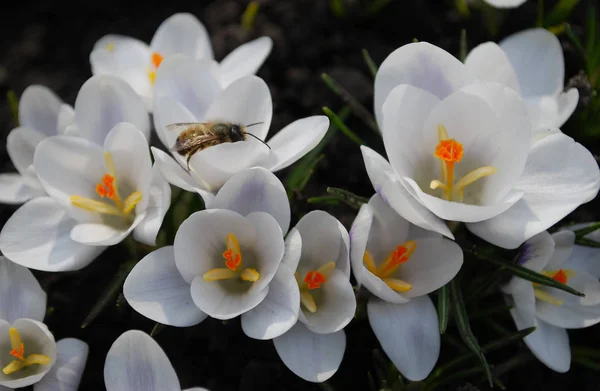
<point x="99" y="234"/>
<point x="38" y="109"/>
<point x="159" y="200"/>
<point x="550" y="344"/>
<point x="245" y="101"/>
<point x="313" y="357"/>
<point x="537" y="58"/>
<point x="135" y="362"/>
<point x="552" y="111"/>
<point x="245" y="60"/>
<point x="408" y="333"/>
<point x="114" y="54"/>
<point x="15" y="189"/>
<point x="324" y="239"/>
<point x="537" y="252"/>
<point x="489" y="63"/>
<point x="65" y="375"/>
<point x="293" y="249"/>
<point x="66" y="119"/>
<point x="37" y="236"/>
<point x="182" y="33"/>
<point x="505" y="3"/>
<point x="560" y="175"/>
<point x="392" y="192"/>
<point x="21" y="295"/>
<point x="169" y="111"/>
<point x="422" y="65"/>
<point x="155" y="289"/>
<point x="563" y="247"/>
<point x="295" y="141"/>
<point x="255" y="190"/>
<point x="20" y="145"/>
<point x="104" y="101"/>
<point x="278" y="312"/>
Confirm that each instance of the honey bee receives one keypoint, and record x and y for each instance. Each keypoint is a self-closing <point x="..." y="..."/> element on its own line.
<point x="197" y="136"/>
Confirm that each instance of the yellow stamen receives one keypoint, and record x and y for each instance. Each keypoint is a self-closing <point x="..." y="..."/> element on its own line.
<point x="131" y="201"/>
<point x="250" y="275"/>
<point x="233" y="254"/>
<point x="308" y="301"/>
<point x="219" y="274"/>
<point x="15" y="339"/>
<point x="472" y="177"/>
<point x="397" y="257"/>
<point x="369" y="263"/>
<point x="152" y="76"/>
<point x="397" y="285"/>
<point x="545" y="296"/>
<point x="18" y="351"/>
<point x="327" y="269"/>
<point x="95" y="206"/>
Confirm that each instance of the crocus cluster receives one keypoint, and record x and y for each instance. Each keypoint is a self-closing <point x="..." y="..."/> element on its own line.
<point x="475" y="143"/>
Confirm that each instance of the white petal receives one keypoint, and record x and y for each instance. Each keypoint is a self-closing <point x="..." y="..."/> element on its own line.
<point x="397" y="196"/>
<point x="135" y="362"/>
<point x="359" y="236"/>
<point x="37" y="236"/>
<point x="278" y="312"/>
<point x="293" y="249"/>
<point x="155" y="289"/>
<point x="182" y="33"/>
<point x="552" y="111"/>
<point x="159" y="200"/>
<point x="523" y="296"/>
<point x="408" y="333"/>
<point x="104" y="101"/>
<point x="20" y="145"/>
<point x="115" y="54"/>
<point x="489" y="63"/>
<point x="255" y="190"/>
<point x="65" y="375"/>
<point x="100" y="234"/>
<point x="245" y="60"/>
<point x="550" y="344"/>
<point x="191" y="82"/>
<point x="537" y="252"/>
<point x="560" y="175"/>
<point x="167" y="111"/>
<point x="564" y="242"/>
<point x="421" y="65"/>
<point x="313" y="357"/>
<point x="66" y="119"/>
<point x="245" y="101"/>
<point x="14" y="189"/>
<point x="21" y="295"/>
<point x="38" y="109"/>
<point x="324" y="239"/>
<point x="505" y="3"/>
<point x="295" y="140"/>
<point x="537" y="58"/>
<point x="389" y="229"/>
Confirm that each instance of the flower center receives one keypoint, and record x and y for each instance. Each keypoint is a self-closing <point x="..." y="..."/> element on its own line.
<point x="108" y="189"/>
<point x="233" y="263"/>
<point x="389" y="266"/>
<point x="18" y="352"/>
<point x="450" y="151"/>
<point x="562" y="276"/>
<point x="156" y="61"/>
<point x="313" y="280"/>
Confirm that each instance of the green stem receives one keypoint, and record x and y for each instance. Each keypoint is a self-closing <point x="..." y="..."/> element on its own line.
<point x="342" y="127"/>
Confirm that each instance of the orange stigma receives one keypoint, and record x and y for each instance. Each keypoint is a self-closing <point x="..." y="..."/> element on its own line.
<point x="561" y="276"/>
<point x="106" y="188"/>
<point x="156" y="59"/>
<point x="389" y="266"/>
<point x="19" y="353"/>
<point x="314" y="279"/>
<point x="451" y="151"/>
<point x="232" y="261"/>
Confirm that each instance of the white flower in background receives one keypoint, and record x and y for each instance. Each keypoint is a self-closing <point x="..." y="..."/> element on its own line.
<point x="96" y="197"/>
<point x="216" y="267"/>
<point x="551" y="310"/>
<point x="504" y="3"/>
<point x="463" y="150"/>
<point x="102" y="102"/>
<point x="187" y="91"/>
<point x="317" y="251"/>
<point x="400" y="264"/>
<point x="135" y="362"/>
<point x="137" y="63"/>
<point x="531" y="63"/>
<point x="28" y="353"/>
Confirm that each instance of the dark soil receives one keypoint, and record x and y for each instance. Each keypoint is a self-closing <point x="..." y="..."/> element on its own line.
<point x="49" y="43"/>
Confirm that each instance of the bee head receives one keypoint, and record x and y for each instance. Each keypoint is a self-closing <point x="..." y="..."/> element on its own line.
<point x="236" y="133"/>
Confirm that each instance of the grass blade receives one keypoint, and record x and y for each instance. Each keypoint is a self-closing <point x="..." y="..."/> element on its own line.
<point x="342" y="127"/>
<point x="370" y="63"/>
<point x="249" y="15"/>
<point x="580" y="233"/>
<point x="464" y="46"/>
<point x="324" y="200"/>
<point x="443" y="307"/>
<point x="13" y="103"/>
<point x="347" y="197"/>
<point x="560" y="12"/>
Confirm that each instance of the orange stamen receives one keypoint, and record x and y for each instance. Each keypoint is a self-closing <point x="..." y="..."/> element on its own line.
<point x="106" y="188"/>
<point x="314" y="279"/>
<point x="19" y="353"/>
<point x="561" y="276"/>
<point x="156" y="59"/>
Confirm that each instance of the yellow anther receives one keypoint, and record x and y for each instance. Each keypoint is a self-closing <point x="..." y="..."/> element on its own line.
<point x="545" y="296"/>
<point x="18" y="351"/>
<point x="369" y="263"/>
<point x="391" y="264"/>
<point x="397" y="285"/>
<point x="250" y="275"/>
<point x="232" y="254"/>
<point x="15" y="340"/>
<point x="152" y="76"/>
<point x="219" y="274"/>
<point x="442" y="133"/>
<point x="472" y="177"/>
<point x="308" y="301"/>
<point x="95" y="206"/>
<point x="233" y="261"/>
<point x="327" y="269"/>
<point x="131" y="201"/>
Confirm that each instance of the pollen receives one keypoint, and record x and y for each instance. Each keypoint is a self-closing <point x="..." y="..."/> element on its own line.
<point x="18" y="352"/>
<point x="157" y="59"/>
<point x="400" y="255"/>
<point x="313" y="280"/>
<point x="233" y="263"/>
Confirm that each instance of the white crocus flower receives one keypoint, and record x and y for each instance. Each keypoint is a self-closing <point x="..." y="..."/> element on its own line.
<point x="400" y="264"/>
<point x="463" y="150"/>
<point x="531" y="63"/>
<point x="317" y="250"/>
<point x="157" y="286"/>
<point x="28" y="352"/>
<point x="101" y="103"/>
<point x="97" y="196"/>
<point x="551" y="310"/>
<point x="187" y="91"/>
<point x="135" y="362"/>
<point x="504" y="3"/>
<point x="137" y="63"/>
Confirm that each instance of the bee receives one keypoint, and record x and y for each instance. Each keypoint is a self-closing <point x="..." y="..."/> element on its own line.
<point x="197" y="136"/>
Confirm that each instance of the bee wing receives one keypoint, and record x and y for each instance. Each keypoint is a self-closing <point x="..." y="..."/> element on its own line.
<point x="195" y="142"/>
<point x="181" y="126"/>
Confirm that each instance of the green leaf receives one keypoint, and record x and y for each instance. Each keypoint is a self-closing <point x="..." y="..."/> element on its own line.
<point x="464" y="328"/>
<point x="586" y="362"/>
<point x="249" y="15"/>
<point x="376" y="6"/>
<point x="337" y="8"/>
<point x="464" y="46"/>
<point x="462" y="6"/>
<point x="560" y="12"/>
<point x="158" y="327"/>
<point x="370" y="63"/>
<point x="13" y="103"/>
<point x="491" y="311"/>
<point x="342" y="127"/>
<point x="347" y="197"/>
<point x="359" y="110"/>
<point x="324" y="200"/>
<point x="592" y="25"/>
<point x="577" y="43"/>
<point x="587" y="242"/>
<point x="540" y="14"/>
<point x="443" y="307"/>
<point x="580" y="233"/>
